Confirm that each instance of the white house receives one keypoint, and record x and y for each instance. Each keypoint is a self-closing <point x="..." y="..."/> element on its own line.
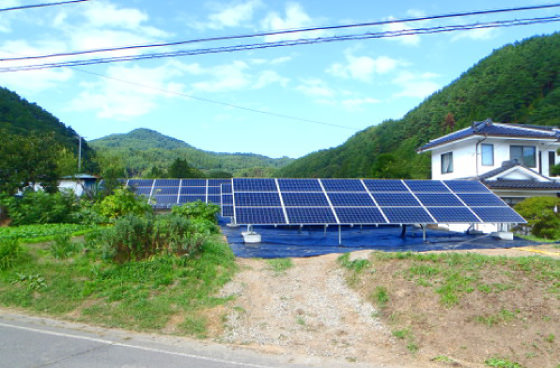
<point x="513" y="160"/>
<point x="79" y="184"/>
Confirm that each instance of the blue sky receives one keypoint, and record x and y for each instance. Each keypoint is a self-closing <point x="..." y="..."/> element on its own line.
<point x="343" y="87"/>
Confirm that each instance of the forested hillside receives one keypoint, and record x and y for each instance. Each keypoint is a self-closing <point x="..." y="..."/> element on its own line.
<point x="20" y="117"/>
<point x="146" y="153"/>
<point x="518" y="83"/>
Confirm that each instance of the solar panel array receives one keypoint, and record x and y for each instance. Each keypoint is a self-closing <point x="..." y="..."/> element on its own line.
<point x="362" y="201"/>
<point x="170" y="192"/>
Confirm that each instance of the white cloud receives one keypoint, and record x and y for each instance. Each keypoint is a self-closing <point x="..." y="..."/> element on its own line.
<point x="110" y="98"/>
<point x="233" y="15"/>
<point x="357" y="103"/>
<point x="363" y="67"/>
<point x="295" y="17"/>
<point x="475" y="34"/>
<point x="416" y="85"/>
<point x="401" y="28"/>
<point x="226" y="77"/>
<point x="315" y="88"/>
<point x="269" y="77"/>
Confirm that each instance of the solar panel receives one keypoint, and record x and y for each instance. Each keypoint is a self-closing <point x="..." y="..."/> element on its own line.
<point x="432" y="186"/>
<point x="386" y="185"/>
<point x="227" y="210"/>
<point x="310" y="215"/>
<point x="351" y="199"/>
<point x="359" y="215"/>
<point x="407" y="215"/>
<point x="166" y="191"/>
<point x="167" y="182"/>
<point x="498" y="214"/>
<point x="165" y="199"/>
<point x="193" y="190"/>
<point x="453" y="214"/>
<point x="254" y="185"/>
<point x="305" y="199"/>
<point x="482" y="200"/>
<point x="214" y="190"/>
<point x="191" y="198"/>
<point x="257" y="199"/>
<point x="217" y="182"/>
<point x="193" y="182"/>
<point x="466" y="186"/>
<point x="395" y="199"/>
<point x="260" y="215"/>
<point x="439" y="199"/>
<point x="140" y="182"/>
<point x="343" y="185"/>
<point x="143" y="191"/>
<point x="299" y="185"/>
<point x="214" y="199"/>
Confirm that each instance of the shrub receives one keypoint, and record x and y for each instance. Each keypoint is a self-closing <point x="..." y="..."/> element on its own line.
<point x="139" y="237"/>
<point x="62" y="246"/>
<point x="40" y="207"/>
<point x="11" y="253"/>
<point x="199" y="210"/>
<point x="541" y="216"/>
<point x="123" y="202"/>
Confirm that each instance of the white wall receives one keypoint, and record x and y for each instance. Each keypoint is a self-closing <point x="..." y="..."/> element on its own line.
<point x="465" y="158"/>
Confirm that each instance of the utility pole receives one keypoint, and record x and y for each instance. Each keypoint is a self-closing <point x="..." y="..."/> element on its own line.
<point x="79" y="154"/>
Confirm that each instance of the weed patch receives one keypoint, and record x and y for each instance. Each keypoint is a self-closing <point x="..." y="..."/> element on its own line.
<point x="280" y="265"/>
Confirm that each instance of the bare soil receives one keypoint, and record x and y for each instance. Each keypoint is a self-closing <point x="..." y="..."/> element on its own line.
<point x="310" y="309"/>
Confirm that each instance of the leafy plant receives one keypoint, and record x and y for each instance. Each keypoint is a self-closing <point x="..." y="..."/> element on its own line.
<point x="11" y="253"/>
<point x="123" y="202"/>
<point x="501" y="363"/>
<point x="381" y="296"/>
<point x="541" y="215"/>
<point x="279" y="265"/>
<point x="62" y="247"/>
<point x="40" y="207"/>
<point x="199" y="210"/>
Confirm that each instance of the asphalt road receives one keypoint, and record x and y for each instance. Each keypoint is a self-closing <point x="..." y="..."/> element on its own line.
<point x="27" y="342"/>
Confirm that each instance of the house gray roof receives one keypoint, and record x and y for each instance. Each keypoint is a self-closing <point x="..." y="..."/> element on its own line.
<point x="516" y="184"/>
<point x="489" y="128"/>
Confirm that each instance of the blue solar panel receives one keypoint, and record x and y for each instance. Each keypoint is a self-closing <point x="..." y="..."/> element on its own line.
<point x="305" y="199"/>
<point x="440" y="199"/>
<point x="395" y="199"/>
<point x="193" y="182"/>
<point x="407" y="215"/>
<point x="227" y="199"/>
<point x="165" y="199"/>
<point x="227" y="211"/>
<point x="482" y="200"/>
<point x="214" y="199"/>
<point x="260" y="215"/>
<point x="214" y="191"/>
<point x="359" y="215"/>
<point x="432" y="186"/>
<point x="351" y="199"/>
<point x="385" y="185"/>
<point x="498" y="214"/>
<point x="140" y="182"/>
<point x="453" y="214"/>
<point x="464" y="186"/>
<point x="143" y="191"/>
<point x="310" y="215"/>
<point x="167" y="182"/>
<point x="254" y="185"/>
<point x="226" y="188"/>
<point x="191" y="198"/>
<point x="343" y="185"/>
<point x="299" y="185"/>
<point x="218" y="182"/>
<point x="256" y="199"/>
<point x="193" y="190"/>
<point x="166" y="191"/>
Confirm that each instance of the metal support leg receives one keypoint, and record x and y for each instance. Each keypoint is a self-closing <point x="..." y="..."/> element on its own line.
<point x="403" y="231"/>
<point x="424" y="233"/>
<point x="339" y="235"/>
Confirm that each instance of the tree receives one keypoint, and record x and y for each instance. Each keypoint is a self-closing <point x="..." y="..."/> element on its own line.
<point x="388" y="166"/>
<point x="180" y="168"/>
<point x="28" y="160"/>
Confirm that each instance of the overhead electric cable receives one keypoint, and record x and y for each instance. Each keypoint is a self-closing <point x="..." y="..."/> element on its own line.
<point x="42" y="5"/>
<point x="289" y="31"/>
<point x="226" y="104"/>
<point x="304" y="41"/>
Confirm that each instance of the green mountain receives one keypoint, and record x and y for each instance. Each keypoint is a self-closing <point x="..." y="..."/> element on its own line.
<point x="20" y="117"/>
<point x="518" y="83"/>
<point x="143" y="149"/>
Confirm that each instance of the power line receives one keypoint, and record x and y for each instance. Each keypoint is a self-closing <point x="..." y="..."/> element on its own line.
<point x="298" y="42"/>
<point x="282" y="32"/>
<point x="225" y="104"/>
<point x="41" y="5"/>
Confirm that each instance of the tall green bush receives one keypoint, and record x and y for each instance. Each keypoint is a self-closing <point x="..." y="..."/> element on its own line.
<point x="11" y="253"/>
<point x="123" y="202"/>
<point x="541" y="216"/>
<point x="198" y="210"/>
<point x="40" y="207"/>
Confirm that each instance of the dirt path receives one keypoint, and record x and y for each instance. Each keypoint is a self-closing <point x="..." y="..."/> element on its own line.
<point x="307" y="310"/>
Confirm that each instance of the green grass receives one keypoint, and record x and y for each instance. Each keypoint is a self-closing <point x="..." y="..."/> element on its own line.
<point x="380" y="296"/>
<point x="140" y="295"/>
<point x="45" y="232"/>
<point x="280" y="265"/>
<point x="501" y="363"/>
<point x="357" y="265"/>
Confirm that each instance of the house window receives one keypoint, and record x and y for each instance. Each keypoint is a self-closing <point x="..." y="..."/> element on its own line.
<point x="526" y="155"/>
<point x="487" y="154"/>
<point x="447" y="163"/>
